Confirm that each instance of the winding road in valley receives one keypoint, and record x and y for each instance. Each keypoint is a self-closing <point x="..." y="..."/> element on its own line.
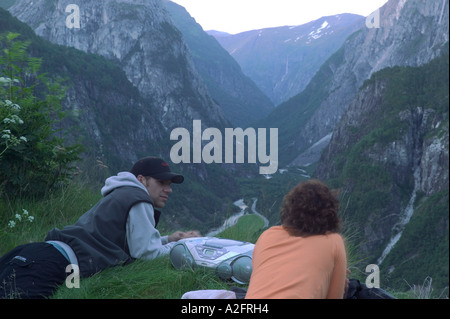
<point x="233" y="219"/>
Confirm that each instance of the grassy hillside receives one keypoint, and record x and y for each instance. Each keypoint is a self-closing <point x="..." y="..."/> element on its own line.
<point x="142" y="279"/>
<point x="156" y="279"/>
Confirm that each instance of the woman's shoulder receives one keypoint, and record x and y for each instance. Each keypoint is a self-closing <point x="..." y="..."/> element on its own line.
<point x="273" y="232"/>
<point x="336" y="237"/>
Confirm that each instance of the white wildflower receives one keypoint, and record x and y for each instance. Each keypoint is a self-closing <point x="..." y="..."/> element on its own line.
<point x="14" y="119"/>
<point x="18" y="217"/>
<point x="11" y="224"/>
<point x="4" y="80"/>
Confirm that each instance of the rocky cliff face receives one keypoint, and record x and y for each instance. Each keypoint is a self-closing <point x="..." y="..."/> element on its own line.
<point x="417" y="147"/>
<point x="389" y="155"/>
<point x="140" y="36"/>
<point x="411" y="33"/>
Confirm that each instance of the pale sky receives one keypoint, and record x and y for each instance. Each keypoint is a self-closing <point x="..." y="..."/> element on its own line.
<point x="234" y="16"/>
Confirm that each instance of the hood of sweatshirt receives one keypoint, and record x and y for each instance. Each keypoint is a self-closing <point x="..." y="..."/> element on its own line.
<point x="122" y="179"/>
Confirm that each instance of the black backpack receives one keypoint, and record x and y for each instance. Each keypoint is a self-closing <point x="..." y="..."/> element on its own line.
<point x="356" y="290"/>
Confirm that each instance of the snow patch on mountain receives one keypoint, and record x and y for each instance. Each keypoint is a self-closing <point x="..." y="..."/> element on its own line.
<point x="316" y="34"/>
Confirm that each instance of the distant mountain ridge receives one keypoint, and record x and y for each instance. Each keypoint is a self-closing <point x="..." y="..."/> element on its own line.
<point x="282" y="60"/>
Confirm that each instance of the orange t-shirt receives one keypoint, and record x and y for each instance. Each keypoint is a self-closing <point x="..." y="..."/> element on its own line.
<point x="289" y="267"/>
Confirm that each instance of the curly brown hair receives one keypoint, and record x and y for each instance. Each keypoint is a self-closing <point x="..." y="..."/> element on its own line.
<point x="310" y="208"/>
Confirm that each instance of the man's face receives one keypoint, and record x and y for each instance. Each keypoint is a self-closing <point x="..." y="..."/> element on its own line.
<point x="159" y="190"/>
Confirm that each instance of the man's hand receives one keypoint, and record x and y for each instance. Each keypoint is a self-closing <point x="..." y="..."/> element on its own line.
<point x="192" y="233"/>
<point x="176" y="236"/>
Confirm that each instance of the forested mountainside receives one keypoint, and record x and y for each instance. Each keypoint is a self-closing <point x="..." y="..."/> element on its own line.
<point x="389" y="156"/>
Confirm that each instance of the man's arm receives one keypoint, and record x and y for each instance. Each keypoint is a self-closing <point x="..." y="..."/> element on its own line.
<point x="144" y="240"/>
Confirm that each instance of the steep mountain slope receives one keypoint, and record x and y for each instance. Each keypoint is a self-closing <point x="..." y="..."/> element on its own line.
<point x="139" y="35"/>
<point x="283" y="60"/>
<point x="390" y="157"/>
<point x="241" y="100"/>
<point x="98" y="91"/>
<point x="411" y="33"/>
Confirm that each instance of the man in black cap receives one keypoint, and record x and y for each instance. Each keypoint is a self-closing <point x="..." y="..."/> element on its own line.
<point x="118" y="229"/>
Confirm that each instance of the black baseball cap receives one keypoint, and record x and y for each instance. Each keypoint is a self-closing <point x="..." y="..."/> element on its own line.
<point x="155" y="167"/>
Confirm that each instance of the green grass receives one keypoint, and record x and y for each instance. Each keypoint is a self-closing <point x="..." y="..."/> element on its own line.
<point x="248" y="228"/>
<point x="60" y="208"/>
<point x="156" y="279"/>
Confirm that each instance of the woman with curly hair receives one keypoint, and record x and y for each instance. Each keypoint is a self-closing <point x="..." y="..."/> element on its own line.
<point x="304" y="257"/>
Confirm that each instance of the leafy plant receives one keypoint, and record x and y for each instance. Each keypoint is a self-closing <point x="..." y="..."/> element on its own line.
<point x="33" y="154"/>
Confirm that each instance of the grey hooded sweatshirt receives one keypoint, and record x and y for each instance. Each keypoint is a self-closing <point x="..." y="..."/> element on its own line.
<point x="118" y="229"/>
